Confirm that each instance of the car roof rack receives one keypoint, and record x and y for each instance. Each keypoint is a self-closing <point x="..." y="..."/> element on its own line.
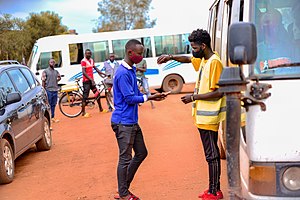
<point x="9" y="62"/>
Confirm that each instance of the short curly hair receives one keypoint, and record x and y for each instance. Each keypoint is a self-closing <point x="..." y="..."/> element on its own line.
<point x="200" y="36"/>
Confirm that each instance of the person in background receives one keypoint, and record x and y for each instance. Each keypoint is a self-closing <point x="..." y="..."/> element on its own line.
<point x="110" y="67"/>
<point x="209" y="105"/>
<point x="87" y="64"/>
<point x="141" y="68"/>
<point x="124" y="120"/>
<point x="50" y="79"/>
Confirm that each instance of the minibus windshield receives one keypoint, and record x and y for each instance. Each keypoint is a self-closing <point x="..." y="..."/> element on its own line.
<point x="278" y="38"/>
<point x="32" y="55"/>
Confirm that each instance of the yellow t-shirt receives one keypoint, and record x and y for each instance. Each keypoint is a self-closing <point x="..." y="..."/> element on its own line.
<point x="214" y="76"/>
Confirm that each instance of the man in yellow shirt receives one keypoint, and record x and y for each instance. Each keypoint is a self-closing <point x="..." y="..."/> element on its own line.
<point x="209" y="105"/>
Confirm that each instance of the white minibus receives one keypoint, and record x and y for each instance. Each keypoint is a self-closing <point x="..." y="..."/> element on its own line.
<point x="68" y="51"/>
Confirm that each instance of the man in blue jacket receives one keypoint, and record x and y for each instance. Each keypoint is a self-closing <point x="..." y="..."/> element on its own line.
<point x="125" y="117"/>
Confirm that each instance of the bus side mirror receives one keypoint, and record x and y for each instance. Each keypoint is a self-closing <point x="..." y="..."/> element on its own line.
<point x="242" y="43"/>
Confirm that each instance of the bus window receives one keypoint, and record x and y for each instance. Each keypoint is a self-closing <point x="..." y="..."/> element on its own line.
<point x="43" y="62"/>
<point x="119" y="47"/>
<point x="172" y="44"/>
<point x="99" y="50"/>
<point x="146" y="41"/>
<point x="76" y="53"/>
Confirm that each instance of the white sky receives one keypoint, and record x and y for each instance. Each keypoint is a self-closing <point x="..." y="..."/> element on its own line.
<point x="170" y="14"/>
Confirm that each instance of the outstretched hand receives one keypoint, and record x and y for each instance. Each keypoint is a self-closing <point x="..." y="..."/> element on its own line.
<point x="187" y="98"/>
<point x="163" y="59"/>
<point x="158" y="96"/>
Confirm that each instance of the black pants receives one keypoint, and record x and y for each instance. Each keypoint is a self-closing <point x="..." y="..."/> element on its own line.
<point x="87" y="86"/>
<point x="212" y="154"/>
<point x="128" y="137"/>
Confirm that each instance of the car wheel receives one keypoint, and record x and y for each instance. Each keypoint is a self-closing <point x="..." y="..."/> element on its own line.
<point x="173" y="83"/>
<point x="7" y="164"/>
<point x="45" y="143"/>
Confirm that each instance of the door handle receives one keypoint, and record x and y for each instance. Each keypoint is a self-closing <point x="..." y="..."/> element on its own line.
<point x="62" y="75"/>
<point x="22" y="106"/>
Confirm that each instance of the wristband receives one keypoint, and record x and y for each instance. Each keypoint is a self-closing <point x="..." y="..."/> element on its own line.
<point x="192" y="97"/>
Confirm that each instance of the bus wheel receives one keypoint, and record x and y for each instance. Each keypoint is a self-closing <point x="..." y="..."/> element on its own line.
<point x="173" y="83"/>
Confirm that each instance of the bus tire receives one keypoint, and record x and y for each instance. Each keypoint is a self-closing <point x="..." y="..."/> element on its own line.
<point x="173" y="83"/>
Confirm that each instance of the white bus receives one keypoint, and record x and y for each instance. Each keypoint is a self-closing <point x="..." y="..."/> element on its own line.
<point x="68" y="50"/>
<point x="270" y="146"/>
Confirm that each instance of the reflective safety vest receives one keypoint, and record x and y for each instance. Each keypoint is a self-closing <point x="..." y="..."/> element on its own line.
<point x="207" y="111"/>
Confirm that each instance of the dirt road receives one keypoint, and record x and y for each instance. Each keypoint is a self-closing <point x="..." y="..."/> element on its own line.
<point x="82" y="163"/>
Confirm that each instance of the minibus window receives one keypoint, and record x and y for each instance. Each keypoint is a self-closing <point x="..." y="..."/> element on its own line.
<point x="76" y="53"/>
<point x="278" y="35"/>
<point x="146" y="41"/>
<point x="172" y="44"/>
<point x="44" y="58"/>
<point x="99" y="50"/>
<point x="119" y="50"/>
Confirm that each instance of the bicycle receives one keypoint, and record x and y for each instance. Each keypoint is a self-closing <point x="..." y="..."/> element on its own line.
<point x="142" y="89"/>
<point x="70" y="101"/>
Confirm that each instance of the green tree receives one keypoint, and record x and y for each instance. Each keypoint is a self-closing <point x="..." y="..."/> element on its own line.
<point x="13" y="38"/>
<point x="123" y="15"/>
<point x="44" y="24"/>
<point x="18" y="36"/>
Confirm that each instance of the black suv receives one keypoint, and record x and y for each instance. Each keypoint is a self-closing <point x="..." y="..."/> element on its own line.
<point x="24" y="117"/>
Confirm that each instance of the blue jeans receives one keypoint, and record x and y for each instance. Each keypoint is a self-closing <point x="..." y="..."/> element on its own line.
<point x="52" y="98"/>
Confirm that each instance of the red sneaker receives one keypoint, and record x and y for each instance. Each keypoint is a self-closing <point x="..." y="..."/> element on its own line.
<point x="209" y="196"/>
<point x="219" y="194"/>
<point x="117" y="196"/>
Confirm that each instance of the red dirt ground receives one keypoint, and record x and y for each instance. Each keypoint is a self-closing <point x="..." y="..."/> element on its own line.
<point x="82" y="163"/>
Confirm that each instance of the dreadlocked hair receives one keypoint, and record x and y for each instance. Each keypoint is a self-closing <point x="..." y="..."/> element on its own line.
<point x="200" y="36"/>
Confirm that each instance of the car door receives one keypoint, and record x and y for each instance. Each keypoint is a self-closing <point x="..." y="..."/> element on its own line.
<point x="16" y="113"/>
<point x="35" y="100"/>
<point x="22" y="130"/>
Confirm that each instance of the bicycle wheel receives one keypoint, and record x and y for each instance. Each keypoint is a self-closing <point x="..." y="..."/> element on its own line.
<point x="70" y="104"/>
<point x="109" y="99"/>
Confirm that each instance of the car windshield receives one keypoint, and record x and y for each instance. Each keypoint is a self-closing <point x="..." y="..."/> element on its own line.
<point x="278" y="38"/>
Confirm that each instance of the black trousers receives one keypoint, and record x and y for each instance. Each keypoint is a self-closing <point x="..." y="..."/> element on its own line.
<point x="212" y="154"/>
<point x="128" y="137"/>
<point x="87" y="86"/>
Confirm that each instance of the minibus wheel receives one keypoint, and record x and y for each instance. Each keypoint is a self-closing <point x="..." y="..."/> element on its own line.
<point x="173" y="83"/>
